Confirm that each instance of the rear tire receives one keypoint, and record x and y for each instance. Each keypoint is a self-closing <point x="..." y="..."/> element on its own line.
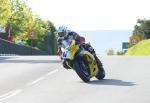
<point x="82" y="70"/>
<point x="101" y="74"/>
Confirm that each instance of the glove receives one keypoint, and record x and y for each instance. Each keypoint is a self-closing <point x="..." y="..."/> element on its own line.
<point x="59" y="52"/>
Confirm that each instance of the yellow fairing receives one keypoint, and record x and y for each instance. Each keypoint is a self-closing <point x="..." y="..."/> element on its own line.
<point x="73" y="49"/>
<point x="88" y="57"/>
<point x="91" y="63"/>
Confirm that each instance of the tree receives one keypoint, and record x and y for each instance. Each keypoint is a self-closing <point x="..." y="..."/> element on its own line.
<point x="16" y="14"/>
<point x="5" y="11"/>
<point x="19" y="19"/>
<point x="142" y="28"/>
<point x="49" y="40"/>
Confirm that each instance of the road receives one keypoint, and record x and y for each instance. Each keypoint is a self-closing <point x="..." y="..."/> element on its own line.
<point x="42" y="79"/>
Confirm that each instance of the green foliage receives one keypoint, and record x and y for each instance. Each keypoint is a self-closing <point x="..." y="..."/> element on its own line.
<point x="47" y="41"/>
<point x="142" y="28"/>
<point x="19" y="19"/>
<point x="16" y="14"/>
<point x="110" y="52"/>
<point x="121" y="52"/>
<point x="5" y="11"/>
<point x="141" y="49"/>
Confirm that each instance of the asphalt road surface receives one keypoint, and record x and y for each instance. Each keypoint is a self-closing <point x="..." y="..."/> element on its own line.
<point x="42" y="79"/>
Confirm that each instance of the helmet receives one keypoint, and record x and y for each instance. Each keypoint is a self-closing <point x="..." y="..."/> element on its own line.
<point x="62" y="31"/>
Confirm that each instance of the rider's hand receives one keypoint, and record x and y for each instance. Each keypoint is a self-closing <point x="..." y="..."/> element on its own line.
<point x="59" y="52"/>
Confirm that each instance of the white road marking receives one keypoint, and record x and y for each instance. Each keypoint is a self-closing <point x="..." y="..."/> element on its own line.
<point x="10" y="94"/>
<point x="36" y="81"/>
<point x="52" y="72"/>
<point x="1" y="96"/>
<point x="15" y="92"/>
<point x="41" y="78"/>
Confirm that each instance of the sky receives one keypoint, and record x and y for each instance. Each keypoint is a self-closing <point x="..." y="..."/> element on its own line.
<point x="103" y="40"/>
<point x="92" y="14"/>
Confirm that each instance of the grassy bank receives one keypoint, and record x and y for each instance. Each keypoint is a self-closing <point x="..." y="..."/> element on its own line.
<point x="141" y="49"/>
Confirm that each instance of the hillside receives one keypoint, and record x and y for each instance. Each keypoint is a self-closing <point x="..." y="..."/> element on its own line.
<point x="141" y="49"/>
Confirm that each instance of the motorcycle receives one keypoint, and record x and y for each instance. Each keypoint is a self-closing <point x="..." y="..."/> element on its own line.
<point x="82" y="61"/>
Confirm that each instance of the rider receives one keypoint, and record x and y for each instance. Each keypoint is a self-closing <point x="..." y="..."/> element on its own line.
<point x="65" y="34"/>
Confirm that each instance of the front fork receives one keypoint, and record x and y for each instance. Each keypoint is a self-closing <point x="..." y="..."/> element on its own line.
<point x="67" y="64"/>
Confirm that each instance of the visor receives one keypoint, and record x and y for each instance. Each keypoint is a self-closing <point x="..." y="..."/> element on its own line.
<point x="61" y="34"/>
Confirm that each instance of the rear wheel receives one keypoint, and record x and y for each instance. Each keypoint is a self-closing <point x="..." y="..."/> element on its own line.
<point x="101" y="73"/>
<point x="82" y="70"/>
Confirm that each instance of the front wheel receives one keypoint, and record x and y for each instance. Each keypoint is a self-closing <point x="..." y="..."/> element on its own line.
<point x="82" y="70"/>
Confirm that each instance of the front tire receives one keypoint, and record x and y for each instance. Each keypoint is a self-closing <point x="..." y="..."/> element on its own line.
<point x="82" y="70"/>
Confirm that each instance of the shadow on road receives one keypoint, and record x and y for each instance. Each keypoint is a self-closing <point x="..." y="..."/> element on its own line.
<point x="114" y="82"/>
